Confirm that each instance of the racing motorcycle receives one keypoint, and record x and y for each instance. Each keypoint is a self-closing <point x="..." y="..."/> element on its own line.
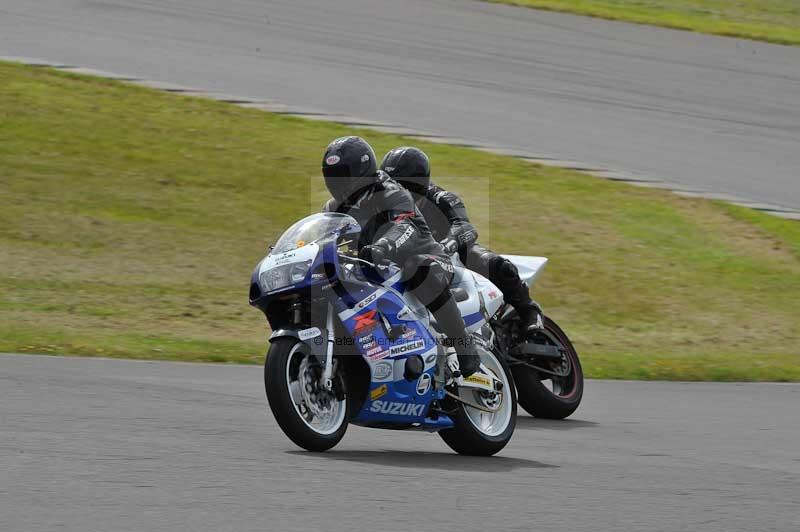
<point x="351" y="345"/>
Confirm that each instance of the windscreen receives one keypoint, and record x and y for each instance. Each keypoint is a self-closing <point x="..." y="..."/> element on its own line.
<point x="313" y="229"/>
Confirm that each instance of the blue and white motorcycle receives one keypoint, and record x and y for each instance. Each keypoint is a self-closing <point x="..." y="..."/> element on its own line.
<point x="351" y="345"/>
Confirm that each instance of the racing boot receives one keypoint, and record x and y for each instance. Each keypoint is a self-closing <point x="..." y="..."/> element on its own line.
<point x="469" y="361"/>
<point x="506" y="276"/>
<point x="450" y="322"/>
<point x="530" y="315"/>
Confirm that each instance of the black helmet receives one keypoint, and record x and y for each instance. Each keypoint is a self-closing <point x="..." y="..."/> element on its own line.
<point x="409" y="167"/>
<point x="348" y="165"/>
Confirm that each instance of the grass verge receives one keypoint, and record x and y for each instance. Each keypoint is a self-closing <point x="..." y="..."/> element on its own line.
<point x="775" y="21"/>
<point x="131" y="220"/>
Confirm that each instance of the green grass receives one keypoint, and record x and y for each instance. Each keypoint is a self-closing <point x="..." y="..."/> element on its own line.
<point x="131" y="220"/>
<point x="776" y="21"/>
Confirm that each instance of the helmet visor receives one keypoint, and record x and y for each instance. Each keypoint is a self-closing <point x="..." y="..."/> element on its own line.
<point x="338" y="181"/>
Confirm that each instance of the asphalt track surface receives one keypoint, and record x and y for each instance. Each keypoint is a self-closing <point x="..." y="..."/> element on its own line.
<point x="97" y="445"/>
<point x="702" y="112"/>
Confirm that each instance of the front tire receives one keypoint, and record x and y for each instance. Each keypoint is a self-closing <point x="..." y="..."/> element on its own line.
<point x="474" y="434"/>
<point x="311" y="419"/>
<point x="564" y="395"/>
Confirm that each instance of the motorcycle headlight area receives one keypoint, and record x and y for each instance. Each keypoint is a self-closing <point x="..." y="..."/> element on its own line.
<point x="284" y="275"/>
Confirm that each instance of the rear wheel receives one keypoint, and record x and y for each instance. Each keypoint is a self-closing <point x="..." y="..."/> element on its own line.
<point x="554" y="391"/>
<point x="484" y="431"/>
<point x="311" y="417"/>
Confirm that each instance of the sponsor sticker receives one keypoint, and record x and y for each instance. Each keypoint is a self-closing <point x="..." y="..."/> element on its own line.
<point x="332" y="159"/>
<point x="364" y="158"/>
<point x="408" y="333"/>
<point x="408" y="347"/>
<point x="377" y="353"/>
<point x="308" y="334"/>
<point x="382" y="371"/>
<point x="481" y="380"/>
<point x="374" y="350"/>
<point x="365" y="321"/>
<point x="423" y="384"/>
<point x="367" y="300"/>
<point x="378" y="392"/>
<point x="284" y="258"/>
<point x="366" y="339"/>
<point x="396" y="409"/>
<point x="493" y="294"/>
<point x="405" y="236"/>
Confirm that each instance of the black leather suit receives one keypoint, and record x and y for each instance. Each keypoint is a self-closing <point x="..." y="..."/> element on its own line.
<point x="387" y="215"/>
<point x="447" y="217"/>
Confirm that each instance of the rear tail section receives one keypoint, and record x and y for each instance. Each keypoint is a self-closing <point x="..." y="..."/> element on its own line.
<point x="529" y="267"/>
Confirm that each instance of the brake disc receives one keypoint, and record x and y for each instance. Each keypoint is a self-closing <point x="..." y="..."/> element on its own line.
<point x="314" y="396"/>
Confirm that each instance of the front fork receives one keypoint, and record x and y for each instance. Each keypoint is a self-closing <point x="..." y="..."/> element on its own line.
<point x="327" y="372"/>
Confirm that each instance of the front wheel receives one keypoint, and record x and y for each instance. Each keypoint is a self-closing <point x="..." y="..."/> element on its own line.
<point x="556" y="391"/>
<point x="485" y="431"/>
<point x="310" y="416"/>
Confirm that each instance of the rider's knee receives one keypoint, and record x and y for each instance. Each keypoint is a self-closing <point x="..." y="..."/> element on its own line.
<point x="504" y="268"/>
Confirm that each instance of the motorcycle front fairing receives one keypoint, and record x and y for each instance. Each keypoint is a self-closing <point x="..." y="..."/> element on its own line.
<point x="292" y="278"/>
<point x="374" y="316"/>
<point x="386" y="334"/>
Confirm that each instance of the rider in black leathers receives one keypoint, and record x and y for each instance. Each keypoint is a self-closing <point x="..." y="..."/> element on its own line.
<point x="447" y="217"/>
<point x="393" y="228"/>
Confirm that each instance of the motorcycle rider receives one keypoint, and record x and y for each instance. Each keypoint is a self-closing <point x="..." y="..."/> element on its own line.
<point x="394" y="229"/>
<point x="447" y="217"/>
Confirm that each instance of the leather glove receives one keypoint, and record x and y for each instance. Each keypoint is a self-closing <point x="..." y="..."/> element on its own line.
<point x="373" y="253"/>
<point x="467" y="235"/>
<point x="450" y="245"/>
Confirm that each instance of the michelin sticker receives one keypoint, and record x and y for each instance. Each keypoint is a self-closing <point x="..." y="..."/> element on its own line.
<point x="408" y="347"/>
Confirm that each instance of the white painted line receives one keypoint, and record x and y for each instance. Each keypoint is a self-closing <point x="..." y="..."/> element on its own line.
<point x="615" y="175"/>
<point x="99" y="73"/>
<point x="30" y="61"/>
<point x="453" y="141"/>
<point x="266" y="106"/>
<point x="163" y="86"/>
<point x="785" y="214"/>
<point x="221" y="97"/>
<point x="403" y="131"/>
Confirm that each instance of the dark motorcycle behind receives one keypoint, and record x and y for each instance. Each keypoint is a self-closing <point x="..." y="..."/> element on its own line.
<point x="545" y="366"/>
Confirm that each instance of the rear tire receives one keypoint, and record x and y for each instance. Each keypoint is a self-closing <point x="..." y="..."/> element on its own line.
<point x="465" y="437"/>
<point x="535" y="397"/>
<point x="280" y="367"/>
